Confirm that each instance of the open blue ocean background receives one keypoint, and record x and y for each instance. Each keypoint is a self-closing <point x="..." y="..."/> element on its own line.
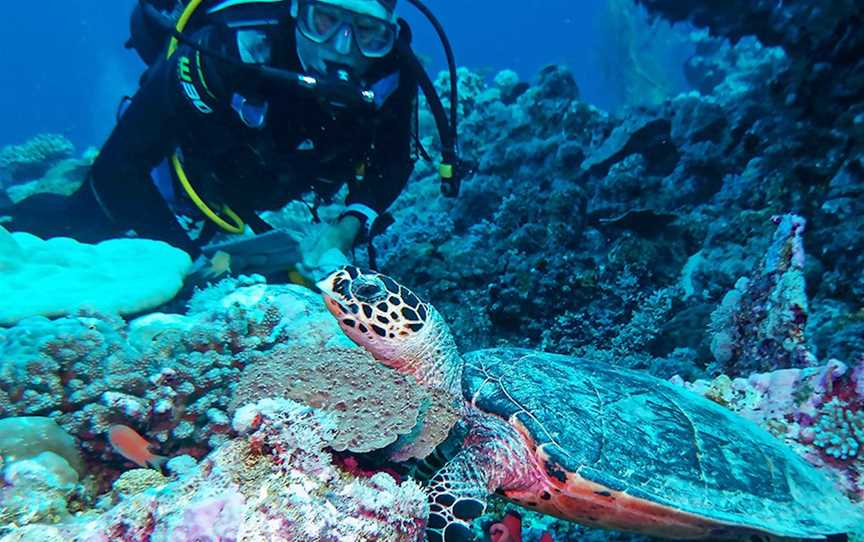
<point x="65" y="67"/>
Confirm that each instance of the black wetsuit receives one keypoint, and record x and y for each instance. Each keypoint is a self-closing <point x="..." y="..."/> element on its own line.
<point x="192" y="103"/>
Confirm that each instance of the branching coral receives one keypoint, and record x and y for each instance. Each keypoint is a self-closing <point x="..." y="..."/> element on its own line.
<point x="839" y="430"/>
<point x="34" y="157"/>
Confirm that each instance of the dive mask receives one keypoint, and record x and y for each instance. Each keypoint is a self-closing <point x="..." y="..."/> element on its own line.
<point x="323" y="23"/>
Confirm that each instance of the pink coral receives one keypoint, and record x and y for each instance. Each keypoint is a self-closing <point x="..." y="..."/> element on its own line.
<point x="218" y="518"/>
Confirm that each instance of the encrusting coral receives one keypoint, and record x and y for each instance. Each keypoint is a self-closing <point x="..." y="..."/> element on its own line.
<point x="372" y="407"/>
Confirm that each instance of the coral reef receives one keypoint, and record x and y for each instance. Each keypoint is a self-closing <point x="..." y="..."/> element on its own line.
<point x="33" y="158"/>
<point x="26" y="436"/>
<point x="64" y="179"/>
<point x="624" y="237"/>
<point x="92" y="370"/>
<point x="762" y="320"/>
<point x="36" y="490"/>
<point x="274" y="482"/>
<point x="372" y="407"/>
<point x="794" y="25"/>
<point x="240" y="341"/>
<point x="577" y="223"/>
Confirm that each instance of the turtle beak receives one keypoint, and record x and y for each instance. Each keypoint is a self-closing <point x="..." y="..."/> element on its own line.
<point x="332" y="297"/>
<point x="328" y="283"/>
<point x="326" y="287"/>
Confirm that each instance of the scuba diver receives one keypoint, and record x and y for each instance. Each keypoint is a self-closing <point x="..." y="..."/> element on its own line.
<point x="247" y="105"/>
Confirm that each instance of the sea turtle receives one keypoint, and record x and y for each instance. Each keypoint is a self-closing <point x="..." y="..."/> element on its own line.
<point x="584" y="440"/>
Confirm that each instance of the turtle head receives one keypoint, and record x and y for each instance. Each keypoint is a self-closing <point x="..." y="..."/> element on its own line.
<point x="374" y="311"/>
<point x="392" y="323"/>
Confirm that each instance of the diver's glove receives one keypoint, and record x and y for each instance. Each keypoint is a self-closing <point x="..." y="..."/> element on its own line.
<point x="314" y="270"/>
<point x="325" y="252"/>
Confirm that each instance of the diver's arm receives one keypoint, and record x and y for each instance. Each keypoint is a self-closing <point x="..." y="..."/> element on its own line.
<point x="392" y="161"/>
<point x="166" y="106"/>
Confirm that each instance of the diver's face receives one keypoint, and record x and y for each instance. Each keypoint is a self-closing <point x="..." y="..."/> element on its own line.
<point x="347" y="34"/>
<point x="339" y="51"/>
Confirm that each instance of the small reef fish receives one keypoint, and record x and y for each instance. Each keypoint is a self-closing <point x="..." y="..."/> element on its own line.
<point x="220" y="264"/>
<point x="128" y="443"/>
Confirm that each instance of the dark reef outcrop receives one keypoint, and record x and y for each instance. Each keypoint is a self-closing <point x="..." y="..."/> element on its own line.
<point x="579" y="223"/>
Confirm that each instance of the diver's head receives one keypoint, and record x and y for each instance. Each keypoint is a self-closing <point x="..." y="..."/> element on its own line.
<point x="346" y="35"/>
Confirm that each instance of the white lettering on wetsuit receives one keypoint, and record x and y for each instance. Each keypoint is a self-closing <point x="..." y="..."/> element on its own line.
<point x="189" y="89"/>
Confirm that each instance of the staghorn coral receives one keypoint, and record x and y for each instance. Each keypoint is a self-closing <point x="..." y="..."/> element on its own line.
<point x="34" y="157"/>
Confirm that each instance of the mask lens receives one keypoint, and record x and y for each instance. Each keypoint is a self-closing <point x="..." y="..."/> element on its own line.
<point x="319" y="22"/>
<point x="374" y="36"/>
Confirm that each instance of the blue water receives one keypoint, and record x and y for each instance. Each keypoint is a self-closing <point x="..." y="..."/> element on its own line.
<point x="65" y="69"/>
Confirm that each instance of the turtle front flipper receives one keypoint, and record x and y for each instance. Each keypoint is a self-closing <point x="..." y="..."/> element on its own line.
<point x="494" y="457"/>
<point x="457" y="496"/>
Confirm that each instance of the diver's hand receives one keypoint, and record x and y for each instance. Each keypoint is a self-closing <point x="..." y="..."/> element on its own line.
<point x="328" y="251"/>
<point x="314" y="270"/>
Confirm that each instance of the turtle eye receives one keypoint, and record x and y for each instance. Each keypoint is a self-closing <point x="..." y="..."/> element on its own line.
<point x="368" y="291"/>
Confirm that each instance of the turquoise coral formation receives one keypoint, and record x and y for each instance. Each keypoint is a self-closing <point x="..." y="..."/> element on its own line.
<point x="839" y="430"/>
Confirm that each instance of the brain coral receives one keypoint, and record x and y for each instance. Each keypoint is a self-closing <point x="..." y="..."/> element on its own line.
<point x="372" y="405"/>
